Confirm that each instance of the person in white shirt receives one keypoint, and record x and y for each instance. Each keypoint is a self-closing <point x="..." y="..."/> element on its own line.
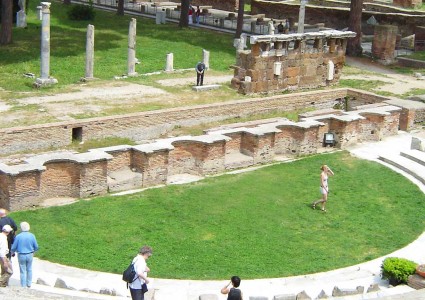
<point x="6" y="266"/>
<point x="138" y="287"/>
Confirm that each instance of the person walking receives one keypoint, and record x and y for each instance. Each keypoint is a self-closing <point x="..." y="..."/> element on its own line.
<point x="324" y="187"/>
<point x="6" y="220"/>
<point x="200" y="70"/>
<point x="25" y="244"/>
<point x="138" y="287"/>
<point x="232" y="289"/>
<point x="198" y="14"/>
<point x="6" y="266"/>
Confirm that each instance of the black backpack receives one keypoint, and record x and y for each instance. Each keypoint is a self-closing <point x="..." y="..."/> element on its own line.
<point x="129" y="275"/>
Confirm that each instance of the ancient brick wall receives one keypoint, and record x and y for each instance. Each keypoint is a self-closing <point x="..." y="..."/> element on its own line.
<point x="407" y="3"/>
<point x="60" y="179"/>
<point x="93" y="179"/>
<point x="291" y="61"/>
<point x="384" y="41"/>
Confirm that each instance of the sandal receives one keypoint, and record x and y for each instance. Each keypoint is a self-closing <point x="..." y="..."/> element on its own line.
<point x="324" y="210"/>
<point x="313" y="205"/>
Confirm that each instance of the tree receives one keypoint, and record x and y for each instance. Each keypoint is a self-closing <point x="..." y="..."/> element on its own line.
<point x="6" y="22"/>
<point x="354" y="45"/>
<point x="239" y="24"/>
<point x="184" y="15"/>
<point x="120" y="10"/>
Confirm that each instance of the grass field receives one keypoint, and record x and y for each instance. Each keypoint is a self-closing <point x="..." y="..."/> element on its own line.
<point x="68" y="44"/>
<point x="257" y="224"/>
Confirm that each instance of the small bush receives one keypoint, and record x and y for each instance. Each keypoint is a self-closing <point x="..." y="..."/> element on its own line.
<point x="397" y="270"/>
<point x="81" y="12"/>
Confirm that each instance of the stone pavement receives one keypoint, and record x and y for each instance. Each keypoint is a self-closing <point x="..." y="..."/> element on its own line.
<point x="363" y="274"/>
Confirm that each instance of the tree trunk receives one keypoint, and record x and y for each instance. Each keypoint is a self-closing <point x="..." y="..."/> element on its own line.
<point x="239" y="24"/>
<point x="6" y="22"/>
<point x="354" y="45"/>
<point x="120" y="10"/>
<point x="184" y="16"/>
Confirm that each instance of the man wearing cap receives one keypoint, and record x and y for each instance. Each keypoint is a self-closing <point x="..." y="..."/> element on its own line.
<point x="6" y="220"/>
<point x="6" y="266"/>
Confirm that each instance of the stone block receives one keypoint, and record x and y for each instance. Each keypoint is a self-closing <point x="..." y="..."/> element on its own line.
<point x="285" y="297"/>
<point x="416" y="281"/>
<point x="373" y="288"/>
<point x="322" y="295"/>
<point x="60" y="283"/>
<point x="208" y="297"/>
<point x="258" y="298"/>
<point x="208" y="87"/>
<point x="303" y="296"/>
<point x="337" y="292"/>
<point x="293" y="71"/>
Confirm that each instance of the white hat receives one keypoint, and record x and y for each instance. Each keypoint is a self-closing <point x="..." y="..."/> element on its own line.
<point x="7" y="228"/>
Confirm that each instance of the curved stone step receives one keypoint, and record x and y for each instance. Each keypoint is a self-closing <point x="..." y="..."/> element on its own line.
<point x="414" y="155"/>
<point x="405" y="164"/>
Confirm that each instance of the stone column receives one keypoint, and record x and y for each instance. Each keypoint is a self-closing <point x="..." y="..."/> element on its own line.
<point x="45" y="79"/>
<point x="384" y="41"/>
<point x="131" y="65"/>
<point x="169" y="64"/>
<point x="301" y="17"/>
<point x="89" y="52"/>
<point x="206" y="58"/>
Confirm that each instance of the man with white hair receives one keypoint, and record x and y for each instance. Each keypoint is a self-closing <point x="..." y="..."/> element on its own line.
<point x="6" y="266"/>
<point x="6" y="220"/>
<point x="25" y="244"/>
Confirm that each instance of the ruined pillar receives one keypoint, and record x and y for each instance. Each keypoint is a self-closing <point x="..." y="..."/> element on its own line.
<point x="384" y="41"/>
<point x="301" y="17"/>
<point x="420" y="38"/>
<point x="169" y="64"/>
<point x="131" y="63"/>
<point x="206" y="58"/>
<point x="45" y="79"/>
<point x="89" y="52"/>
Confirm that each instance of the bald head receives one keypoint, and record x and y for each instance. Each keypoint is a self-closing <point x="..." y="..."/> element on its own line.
<point x="2" y="212"/>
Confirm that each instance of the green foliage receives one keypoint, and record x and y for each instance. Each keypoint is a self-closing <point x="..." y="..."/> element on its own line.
<point x="397" y="270"/>
<point x="81" y="12"/>
<point x="257" y="224"/>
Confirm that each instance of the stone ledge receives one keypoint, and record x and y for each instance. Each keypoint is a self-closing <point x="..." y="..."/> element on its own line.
<point x="203" y="88"/>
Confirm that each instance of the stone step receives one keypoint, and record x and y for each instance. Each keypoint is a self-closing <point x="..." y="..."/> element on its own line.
<point x="405" y="164"/>
<point x="415" y="155"/>
<point x="237" y="160"/>
<point x="208" y="87"/>
<point x="124" y="180"/>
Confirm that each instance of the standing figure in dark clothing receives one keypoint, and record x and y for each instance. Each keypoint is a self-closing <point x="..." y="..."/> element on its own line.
<point x="5" y="220"/>
<point x="200" y="70"/>
<point x="233" y="293"/>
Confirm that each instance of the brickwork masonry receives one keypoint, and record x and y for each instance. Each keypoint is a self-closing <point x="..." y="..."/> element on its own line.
<point x="100" y="171"/>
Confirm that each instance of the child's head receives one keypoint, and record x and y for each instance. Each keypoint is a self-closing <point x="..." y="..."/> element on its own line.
<point x="236" y="281"/>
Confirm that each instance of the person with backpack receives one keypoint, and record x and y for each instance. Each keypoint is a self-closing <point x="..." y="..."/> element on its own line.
<point x="138" y="287"/>
<point x="200" y="70"/>
<point x="233" y="293"/>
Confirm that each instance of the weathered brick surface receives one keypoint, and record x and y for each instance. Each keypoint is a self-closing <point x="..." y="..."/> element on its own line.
<point x="60" y="179"/>
<point x="121" y="160"/>
<point x="384" y="41"/>
<point x="93" y="179"/>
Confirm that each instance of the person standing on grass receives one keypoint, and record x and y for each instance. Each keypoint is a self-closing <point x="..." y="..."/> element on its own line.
<point x="25" y="244"/>
<point x="200" y="70"/>
<point x="324" y="188"/>
<point x="6" y="220"/>
<point x="232" y="289"/>
<point x="6" y="265"/>
<point x="138" y="287"/>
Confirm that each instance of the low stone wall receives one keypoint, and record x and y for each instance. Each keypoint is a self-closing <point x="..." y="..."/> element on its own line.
<point x="102" y="170"/>
<point x="411" y="63"/>
<point x="227" y="5"/>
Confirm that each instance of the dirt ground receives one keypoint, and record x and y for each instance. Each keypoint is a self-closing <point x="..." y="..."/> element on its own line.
<point x="110" y="98"/>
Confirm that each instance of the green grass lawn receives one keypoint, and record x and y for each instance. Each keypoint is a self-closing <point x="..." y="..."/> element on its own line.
<point x="68" y="42"/>
<point x="258" y="224"/>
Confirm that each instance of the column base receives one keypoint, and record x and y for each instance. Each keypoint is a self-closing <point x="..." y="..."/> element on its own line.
<point x="134" y="74"/>
<point x="39" y="82"/>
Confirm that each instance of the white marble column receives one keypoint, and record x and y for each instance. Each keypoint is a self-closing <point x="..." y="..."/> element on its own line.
<point x="45" y="78"/>
<point x="131" y="65"/>
<point x="301" y="16"/>
<point x="90" y="52"/>
<point x="206" y="58"/>
<point x="169" y="63"/>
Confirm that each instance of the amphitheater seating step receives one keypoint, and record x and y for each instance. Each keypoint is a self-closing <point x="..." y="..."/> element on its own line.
<point x="415" y="155"/>
<point x="406" y="165"/>
<point x="237" y="160"/>
<point x="124" y="180"/>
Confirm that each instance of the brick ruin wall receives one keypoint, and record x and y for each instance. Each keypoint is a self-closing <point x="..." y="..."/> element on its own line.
<point x="291" y="61"/>
<point x="92" y="173"/>
<point x="336" y="17"/>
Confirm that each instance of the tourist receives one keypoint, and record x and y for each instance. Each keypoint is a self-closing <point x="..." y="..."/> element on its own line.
<point x="25" y="244"/>
<point x="287" y="26"/>
<point x="138" y="287"/>
<point x="190" y="16"/>
<point x="6" y="266"/>
<point x="231" y="289"/>
<point x="324" y="188"/>
<point x="200" y="70"/>
<point x="197" y="14"/>
<point x="5" y="220"/>
<point x="280" y="28"/>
